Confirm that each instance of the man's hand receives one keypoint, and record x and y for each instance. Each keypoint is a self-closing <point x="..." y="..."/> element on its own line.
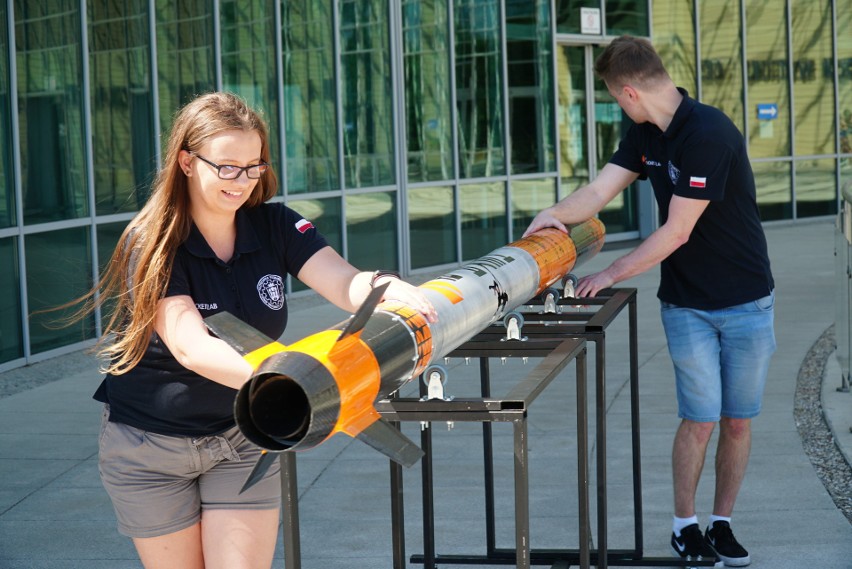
<point x="591" y="285"/>
<point x="545" y="218"/>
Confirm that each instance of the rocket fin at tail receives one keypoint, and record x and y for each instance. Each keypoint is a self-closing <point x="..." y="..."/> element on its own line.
<point x="357" y="323"/>
<point x="388" y="440"/>
<point x="237" y="333"/>
<point x="261" y="466"/>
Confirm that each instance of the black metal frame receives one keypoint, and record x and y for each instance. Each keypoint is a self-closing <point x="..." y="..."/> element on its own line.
<point x="579" y="322"/>
<point x="513" y="408"/>
<point x="558" y="337"/>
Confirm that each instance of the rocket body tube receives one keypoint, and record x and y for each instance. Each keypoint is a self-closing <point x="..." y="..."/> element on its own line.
<point x="302" y="394"/>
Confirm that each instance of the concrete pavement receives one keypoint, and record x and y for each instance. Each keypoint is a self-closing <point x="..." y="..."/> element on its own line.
<point x="55" y="514"/>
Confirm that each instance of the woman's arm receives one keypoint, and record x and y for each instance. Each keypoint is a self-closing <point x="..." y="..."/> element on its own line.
<point x="346" y="287"/>
<point x="182" y="329"/>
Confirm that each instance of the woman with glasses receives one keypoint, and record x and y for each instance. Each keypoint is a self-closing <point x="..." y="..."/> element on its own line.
<point x="171" y="458"/>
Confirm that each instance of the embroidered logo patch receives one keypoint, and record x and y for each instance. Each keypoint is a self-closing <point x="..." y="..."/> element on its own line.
<point x="674" y="173"/>
<point x="271" y="291"/>
<point x="696" y="182"/>
<point x="303" y="225"/>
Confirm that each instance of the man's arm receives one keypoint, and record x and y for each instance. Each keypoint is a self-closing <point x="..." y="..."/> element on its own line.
<point x="586" y="201"/>
<point x="683" y="215"/>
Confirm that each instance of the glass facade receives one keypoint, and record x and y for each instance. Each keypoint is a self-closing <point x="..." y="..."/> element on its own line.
<point x="415" y="135"/>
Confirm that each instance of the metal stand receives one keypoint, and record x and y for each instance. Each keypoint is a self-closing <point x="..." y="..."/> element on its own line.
<point x="511" y="408"/>
<point x="558" y="337"/>
<point x="581" y="322"/>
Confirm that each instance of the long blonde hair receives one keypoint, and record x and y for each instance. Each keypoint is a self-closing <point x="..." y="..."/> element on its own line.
<point x="140" y="267"/>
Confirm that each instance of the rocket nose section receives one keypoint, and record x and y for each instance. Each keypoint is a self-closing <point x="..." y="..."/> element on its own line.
<point x="292" y="402"/>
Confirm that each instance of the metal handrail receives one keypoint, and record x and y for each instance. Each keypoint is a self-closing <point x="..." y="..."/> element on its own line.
<point x="843" y="272"/>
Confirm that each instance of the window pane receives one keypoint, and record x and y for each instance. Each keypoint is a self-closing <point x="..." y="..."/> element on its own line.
<point x="432" y="226"/>
<point x="844" y="73"/>
<point x="59" y="269"/>
<point x="483" y="221"/>
<point x="816" y="187"/>
<point x="528" y="198"/>
<point x="721" y="53"/>
<point x="11" y="334"/>
<point x="568" y="14"/>
<point x="8" y="213"/>
<point x="813" y="77"/>
<point x="185" y="65"/>
<point x="768" y="85"/>
<point x="428" y="113"/>
<point x="326" y="217"/>
<point x="309" y="101"/>
<point x="50" y="110"/>
<point x="626" y="17"/>
<point x="479" y="88"/>
<point x="108" y="235"/>
<point x="773" y="190"/>
<point x="122" y="105"/>
<point x="530" y="70"/>
<point x="573" y="131"/>
<point x="371" y="231"/>
<point x="248" y="60"/>
<point x="674" y="39"/>
<point x="611" y="124"/>
<point x="365" y="84"/>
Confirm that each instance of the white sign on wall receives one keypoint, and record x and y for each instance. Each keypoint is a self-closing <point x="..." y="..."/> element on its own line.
<point x="590" y="21"/>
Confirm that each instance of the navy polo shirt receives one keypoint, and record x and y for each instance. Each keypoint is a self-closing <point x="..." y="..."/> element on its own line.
<point x="162" y="396"/>
<point x="702" y="155"/>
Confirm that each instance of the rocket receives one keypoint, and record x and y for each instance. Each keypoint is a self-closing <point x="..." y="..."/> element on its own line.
<point x="302" y="394"/>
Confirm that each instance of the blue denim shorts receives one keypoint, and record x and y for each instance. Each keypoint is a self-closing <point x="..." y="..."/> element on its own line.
<point x="721" y="357"/>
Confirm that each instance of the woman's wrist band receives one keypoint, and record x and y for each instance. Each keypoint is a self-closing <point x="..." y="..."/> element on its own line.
<point x="380" y="274"/>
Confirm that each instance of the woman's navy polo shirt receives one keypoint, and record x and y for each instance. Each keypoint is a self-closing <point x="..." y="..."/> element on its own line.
<point x="162" y="396"/>
<point x="702" y="155"/>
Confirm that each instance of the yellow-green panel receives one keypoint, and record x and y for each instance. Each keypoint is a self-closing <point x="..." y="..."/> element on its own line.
<point x="674" y="40"/>
<point x="768" y="79"/>
<point x="774" y="190"/>
<point x="816" y="187"/>
<point x="721" y="58"/>
<point x="813" y="77"/>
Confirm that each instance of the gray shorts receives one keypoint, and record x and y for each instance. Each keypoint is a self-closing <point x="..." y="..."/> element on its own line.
<point x="160" y="484"/>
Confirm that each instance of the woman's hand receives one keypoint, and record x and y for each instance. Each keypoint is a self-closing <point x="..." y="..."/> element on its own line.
<point x="408" y="294"/>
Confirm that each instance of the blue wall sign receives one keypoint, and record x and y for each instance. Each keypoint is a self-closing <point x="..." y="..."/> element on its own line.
<point x="767" y="111"/>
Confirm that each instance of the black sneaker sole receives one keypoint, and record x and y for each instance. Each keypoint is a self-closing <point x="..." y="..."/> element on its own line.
<point x="719" y="564"/>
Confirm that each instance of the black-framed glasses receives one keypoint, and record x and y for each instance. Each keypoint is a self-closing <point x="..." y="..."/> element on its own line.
<point x="229" y="172"/>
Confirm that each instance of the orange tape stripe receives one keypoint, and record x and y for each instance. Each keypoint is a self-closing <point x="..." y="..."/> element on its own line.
<point x="256" y="357"/>
<point x="451" y="292"/>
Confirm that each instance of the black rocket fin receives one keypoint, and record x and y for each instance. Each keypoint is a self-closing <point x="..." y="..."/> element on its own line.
<point x="263" y="463"/>
<point x="237" y="333"/>
<point x="388" y="440"/>
<point x="357" y="323"/>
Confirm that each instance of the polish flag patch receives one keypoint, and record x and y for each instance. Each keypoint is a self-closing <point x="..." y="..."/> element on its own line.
<point x="696" y="182"/>
<point x="303" y="225"/>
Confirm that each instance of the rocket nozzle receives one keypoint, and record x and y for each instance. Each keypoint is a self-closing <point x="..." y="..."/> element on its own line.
<point x="280" y="409"/>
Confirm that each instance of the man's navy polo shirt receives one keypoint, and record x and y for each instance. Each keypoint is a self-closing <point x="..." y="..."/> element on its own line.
<point x="702" y="155"/>
<point x="162" y="396"/>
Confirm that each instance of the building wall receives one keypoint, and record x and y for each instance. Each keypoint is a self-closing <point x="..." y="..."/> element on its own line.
<point x="415" y="133"/>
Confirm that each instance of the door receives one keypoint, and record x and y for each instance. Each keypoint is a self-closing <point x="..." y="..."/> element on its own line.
<point x="591" y="125"/>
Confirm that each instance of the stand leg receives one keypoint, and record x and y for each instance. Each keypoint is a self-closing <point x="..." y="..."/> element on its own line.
<point x="290" y="511"/>
<point x="522" y="496"/>
<point x="583" y="461"/>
